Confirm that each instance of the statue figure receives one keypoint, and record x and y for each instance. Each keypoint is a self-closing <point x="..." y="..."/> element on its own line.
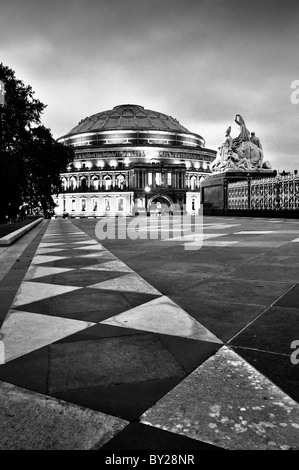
<point x="222" y="154"/>
<point x="255" y="140"/>
<point x="241" y="153"/>
<point x="226" y="158"/>
<point x="244" y="135"/>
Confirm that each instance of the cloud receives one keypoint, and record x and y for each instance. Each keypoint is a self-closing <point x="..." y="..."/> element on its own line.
<point x="199" y="61"/>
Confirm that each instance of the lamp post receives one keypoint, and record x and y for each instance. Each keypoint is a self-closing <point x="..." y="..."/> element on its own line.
<point x="146" y="191"/>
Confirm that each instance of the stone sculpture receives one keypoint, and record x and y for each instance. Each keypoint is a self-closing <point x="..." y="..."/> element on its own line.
<point x="243" y="153"/>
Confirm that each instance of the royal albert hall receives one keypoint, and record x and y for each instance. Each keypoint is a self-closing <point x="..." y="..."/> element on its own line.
<point x="132" y="160"/>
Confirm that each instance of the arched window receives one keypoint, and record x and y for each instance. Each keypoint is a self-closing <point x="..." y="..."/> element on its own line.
<point x="107" y="183"/>
<point x="95" y="183"/>
<point x="63" y="184"/>
<point x="193" y="183"/>
<point x="83" y="184"/>
<point x="120" y="182"/>
<point x="73" y="183"/>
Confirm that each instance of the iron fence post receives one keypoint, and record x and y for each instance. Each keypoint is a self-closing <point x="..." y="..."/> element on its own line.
<point x="225" y="194"/>
<point x="248" y="189"/>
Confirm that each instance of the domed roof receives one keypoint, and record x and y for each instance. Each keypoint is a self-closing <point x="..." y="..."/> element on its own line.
<point x="129" y="116"/>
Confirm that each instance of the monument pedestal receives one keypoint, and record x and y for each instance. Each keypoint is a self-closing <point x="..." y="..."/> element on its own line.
<point x="213" y="188"/>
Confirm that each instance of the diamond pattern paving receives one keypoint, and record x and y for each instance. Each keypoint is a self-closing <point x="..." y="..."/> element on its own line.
<point x="91" y="341"/>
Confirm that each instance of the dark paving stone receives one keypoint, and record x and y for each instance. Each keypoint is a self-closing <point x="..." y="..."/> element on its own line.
<point x="277" y="257"/>
<point x="224" y="319"/>
<point x="79" y="277"/>
<point x="190" y="353"/>
<point x="274" y="331"/>
<point x="137" y="436"/>
<point x="109" y="362"/>
<point x="29" y="371"/>
<point x="248" y="292"/>
<point x="76" y="262"/>
<point x="290" y="299"/>
<point x="88" y="304"/>
<point x="127" y="401"/>
<point x="121" y="375"/>
<point x="268" y="271"/>
<point x="70" y="252"/>
<point x="99" y="331"/>
<point x="168" y="282"/>
<point x="276" y="367"/>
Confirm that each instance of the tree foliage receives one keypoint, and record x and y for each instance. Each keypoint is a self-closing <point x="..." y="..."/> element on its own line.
<point x="30" y="158"/>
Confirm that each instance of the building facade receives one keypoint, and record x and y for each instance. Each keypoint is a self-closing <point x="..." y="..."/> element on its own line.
<point x="132" y="160"/>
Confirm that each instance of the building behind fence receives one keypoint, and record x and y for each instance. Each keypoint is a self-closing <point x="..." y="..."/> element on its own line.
<point x="279" y="193"/>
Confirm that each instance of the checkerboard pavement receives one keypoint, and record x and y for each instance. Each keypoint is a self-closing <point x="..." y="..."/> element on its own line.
<point x="142" y="344"/>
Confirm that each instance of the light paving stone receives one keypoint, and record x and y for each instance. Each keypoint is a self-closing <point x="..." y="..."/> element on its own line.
<point x="220" y="226"/>
<point x="254" y="232"/>
<point x="91" y="248"/>
<point x="50" y="244"/>
<point x="45" y="251"/>
<point x="41" y="259"/>
<point x="24" y="332"/>
<point x="87" y="242"/>
<point x="41" y="271"/>
<point x="163" y="316"/>
<point x="31" y="421"/>
<point x="127" y="283"/>
<point x="33" y="291"/>
<point x="219" y="243"/>
<point x="110" y="266"/>
<point x="103" y="254"/>
<point x="227" y="402"/>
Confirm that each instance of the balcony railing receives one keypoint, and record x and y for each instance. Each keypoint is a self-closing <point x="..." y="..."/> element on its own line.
<point x="83" y="189"/>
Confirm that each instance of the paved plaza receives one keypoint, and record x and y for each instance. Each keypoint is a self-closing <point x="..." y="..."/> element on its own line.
<point x="123" y="344"/>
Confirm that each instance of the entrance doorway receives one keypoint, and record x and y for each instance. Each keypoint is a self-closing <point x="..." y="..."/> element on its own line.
<point x="159" y="205"/>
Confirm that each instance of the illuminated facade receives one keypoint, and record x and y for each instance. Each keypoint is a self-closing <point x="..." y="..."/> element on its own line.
<point x="132" y="160"/>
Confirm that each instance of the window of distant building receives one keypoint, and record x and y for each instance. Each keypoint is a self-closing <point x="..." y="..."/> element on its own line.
<point x="107" y="183"/>
<point x="95" y="204"/>
<point x="73" y="183"/>
<point x="95" y="183"/>
<point x="120" y="182"/>
<point x="73" y="204"/>
<point x="158" y="179"/>
<point x="107" y="205"/>
<point x="63" y="183"/>
<point x="193" y="183"/>
<point x="120" y="204"/>
<point x="83" y="204"/>
<point x="139" y="183"/>
<point x="180" y="180"/>
<point x="83" y="184"/>
<point x="168" y="179"/>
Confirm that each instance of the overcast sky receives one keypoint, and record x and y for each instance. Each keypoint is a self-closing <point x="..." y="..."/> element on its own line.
<point x="199" y="61"/>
